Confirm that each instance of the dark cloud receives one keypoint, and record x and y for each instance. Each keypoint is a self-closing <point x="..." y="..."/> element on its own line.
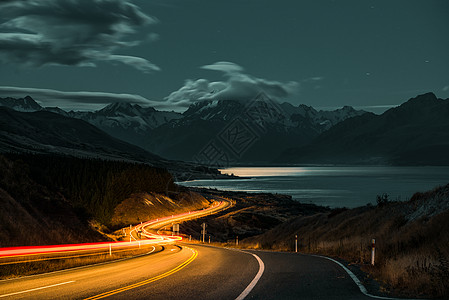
<point x="76" y="100"/>
<point x="71" y="32"/>
<point x="238" y="86"/>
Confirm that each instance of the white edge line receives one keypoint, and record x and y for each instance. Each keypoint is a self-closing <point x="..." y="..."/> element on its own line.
<point x="255" y="280"/>
<point x="36" y="289"/>
<point x="357" y="281"/>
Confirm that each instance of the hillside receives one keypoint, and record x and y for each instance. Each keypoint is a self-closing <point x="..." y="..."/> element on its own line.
<point x="47" y="132"/>
<point x="50" y="199"/>
<point x="414" y="133"/>
<point x="411" y="240"/>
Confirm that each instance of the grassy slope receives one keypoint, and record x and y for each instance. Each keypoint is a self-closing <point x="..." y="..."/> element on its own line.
<point x="148" y="206"/>
<point x="31" y="214"/>
<point x="412" y="243"/>
<point x="55" y="199"/>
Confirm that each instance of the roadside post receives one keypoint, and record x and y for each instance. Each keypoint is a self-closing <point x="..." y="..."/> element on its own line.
<point x="209" y="239"/>
<point x="237" y="241"/>
<point x="110" y="250"/>
<point x="203" y="232"/>
<point x="373" y="249"/>
<point x="190" y="238"/>
<point x="175" y="229"/>
<point x="296" y="243"/>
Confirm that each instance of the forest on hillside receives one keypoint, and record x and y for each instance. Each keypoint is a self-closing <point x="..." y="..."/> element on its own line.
<point x="91" y="188"/>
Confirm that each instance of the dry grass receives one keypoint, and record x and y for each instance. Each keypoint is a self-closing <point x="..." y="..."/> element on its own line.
<point x="411" y="254"/>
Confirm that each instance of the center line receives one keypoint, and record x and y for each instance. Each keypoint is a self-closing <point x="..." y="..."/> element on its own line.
<point x="36" y="289"/>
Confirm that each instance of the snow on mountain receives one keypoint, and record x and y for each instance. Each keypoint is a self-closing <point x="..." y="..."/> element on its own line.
<point x="285" y="114"/>
<point x="26" y="104"/>
<point x="181" y="136"/>
<point x="126" y="117"/>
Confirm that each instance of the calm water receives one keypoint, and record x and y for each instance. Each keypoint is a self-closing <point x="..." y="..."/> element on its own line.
<point x="332" y="186"/>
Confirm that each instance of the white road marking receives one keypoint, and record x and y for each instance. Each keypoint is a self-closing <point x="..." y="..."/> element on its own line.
<point x="255" y="280"/>
<point x="357" y="281"/>
<point x="154" y="248"/>
<point x="36" y="289"/>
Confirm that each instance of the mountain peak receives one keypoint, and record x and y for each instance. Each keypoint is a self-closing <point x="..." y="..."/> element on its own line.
<point x="427" y="97"/>
<point x="424" y="100"/>
<point x="28" y="98"/>
<point x="124" y="108"/>
<point x="26" y="104"/>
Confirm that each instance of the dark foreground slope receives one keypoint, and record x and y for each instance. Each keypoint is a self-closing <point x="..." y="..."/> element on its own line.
<point x="412" y="250"/>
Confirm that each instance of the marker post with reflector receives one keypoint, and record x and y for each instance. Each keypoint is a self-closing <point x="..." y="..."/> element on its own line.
<point x="296" y="243"/>
<point x="373" y="249"/>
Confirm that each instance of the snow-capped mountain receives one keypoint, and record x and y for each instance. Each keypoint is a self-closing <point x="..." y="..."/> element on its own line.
<point x="126" y="121"/>
<point x="126" y="118"/>
<point x="270" y="126"/>
<point x="26" y="104"/>
<point x="285" y="114"/>
<point x="322" y="118"/>
<point x="274" y="127"/>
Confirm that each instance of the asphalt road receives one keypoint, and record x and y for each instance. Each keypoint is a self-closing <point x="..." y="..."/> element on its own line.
<point x="192" y="272"/>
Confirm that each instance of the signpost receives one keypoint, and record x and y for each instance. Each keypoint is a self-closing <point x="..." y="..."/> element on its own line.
<point x="175" y="229"/>
<point x="203" y="232"/>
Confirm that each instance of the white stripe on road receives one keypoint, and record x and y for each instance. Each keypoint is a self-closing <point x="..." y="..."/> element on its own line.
<point x="255" y="280"/>
<point x="36" y="289"/>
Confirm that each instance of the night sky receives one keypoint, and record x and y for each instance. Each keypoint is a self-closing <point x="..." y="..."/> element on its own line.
<point x="82" y="54"/>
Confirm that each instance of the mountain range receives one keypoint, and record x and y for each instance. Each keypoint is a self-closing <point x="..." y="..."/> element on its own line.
<point x="183" y="136"/>
<point x="264" y="132"/>
<point x="414" y="133"/>
<point x="46" y="132"/>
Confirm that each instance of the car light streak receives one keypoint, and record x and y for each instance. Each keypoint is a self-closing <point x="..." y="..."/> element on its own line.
<point x="150" y="238"/>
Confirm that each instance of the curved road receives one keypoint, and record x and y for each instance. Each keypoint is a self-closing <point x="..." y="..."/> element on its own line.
<point x="192" y="271"/>
<point x="203" y="272"/>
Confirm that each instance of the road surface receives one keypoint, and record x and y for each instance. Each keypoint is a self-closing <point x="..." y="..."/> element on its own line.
<point x="192" y="272"/>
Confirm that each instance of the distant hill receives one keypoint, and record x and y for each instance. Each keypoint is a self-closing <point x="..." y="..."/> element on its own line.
<point x="47" y="132"/>
<point x="414" y="133"/>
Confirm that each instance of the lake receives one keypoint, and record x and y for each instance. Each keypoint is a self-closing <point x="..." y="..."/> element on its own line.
<point x="332" y="186"/>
